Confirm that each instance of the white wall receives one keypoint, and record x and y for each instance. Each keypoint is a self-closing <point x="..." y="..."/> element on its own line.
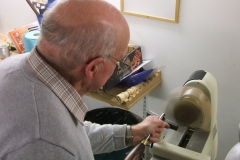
<point x="14" y="14"/>
<point x="206" y="37"/>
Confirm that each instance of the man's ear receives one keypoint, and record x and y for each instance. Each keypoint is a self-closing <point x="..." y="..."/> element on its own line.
<point x="92" y="67"/>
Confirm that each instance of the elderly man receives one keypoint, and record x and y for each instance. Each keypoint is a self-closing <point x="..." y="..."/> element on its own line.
<point x="42" y="112"/>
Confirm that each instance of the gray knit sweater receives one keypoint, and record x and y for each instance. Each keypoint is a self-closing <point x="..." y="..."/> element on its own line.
<point x="35" y="124"/>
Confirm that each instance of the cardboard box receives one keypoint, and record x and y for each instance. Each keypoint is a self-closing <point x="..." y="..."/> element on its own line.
<point x="133" y="58"/>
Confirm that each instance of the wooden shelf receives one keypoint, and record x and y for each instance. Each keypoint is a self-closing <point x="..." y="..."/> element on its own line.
<point x="124" y="97"/>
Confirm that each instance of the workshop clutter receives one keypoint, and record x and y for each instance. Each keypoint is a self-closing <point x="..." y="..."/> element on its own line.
<point x="39" y="7"/>
<point x="134" y="92"/>
<point x="125" y="67"/>
<point x="24" y="38"/>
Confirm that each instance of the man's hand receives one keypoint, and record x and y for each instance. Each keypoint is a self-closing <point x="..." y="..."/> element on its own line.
<point x="152" y="126"/>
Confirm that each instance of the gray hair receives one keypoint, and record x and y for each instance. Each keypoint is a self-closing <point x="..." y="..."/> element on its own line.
<point x="77" y="44"/>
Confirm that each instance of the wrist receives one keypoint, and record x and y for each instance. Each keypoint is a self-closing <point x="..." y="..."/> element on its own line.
<point x="137" y="134"/>
<point x="129" y="136"/>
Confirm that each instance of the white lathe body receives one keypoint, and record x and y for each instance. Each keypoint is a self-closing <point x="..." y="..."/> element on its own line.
<point x="194" y="108"/>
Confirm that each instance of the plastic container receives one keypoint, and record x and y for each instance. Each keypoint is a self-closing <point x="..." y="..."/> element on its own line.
<point x="112" y="115"/>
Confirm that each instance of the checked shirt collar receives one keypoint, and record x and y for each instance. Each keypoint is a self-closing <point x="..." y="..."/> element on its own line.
<point x="64" y="90"/>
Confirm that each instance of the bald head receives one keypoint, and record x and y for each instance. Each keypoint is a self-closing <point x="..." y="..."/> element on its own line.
<point x="90" y="12"/>
<point x="78" y="30"/>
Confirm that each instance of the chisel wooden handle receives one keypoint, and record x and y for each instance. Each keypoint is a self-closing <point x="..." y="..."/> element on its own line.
<point x="137" y="152"/>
